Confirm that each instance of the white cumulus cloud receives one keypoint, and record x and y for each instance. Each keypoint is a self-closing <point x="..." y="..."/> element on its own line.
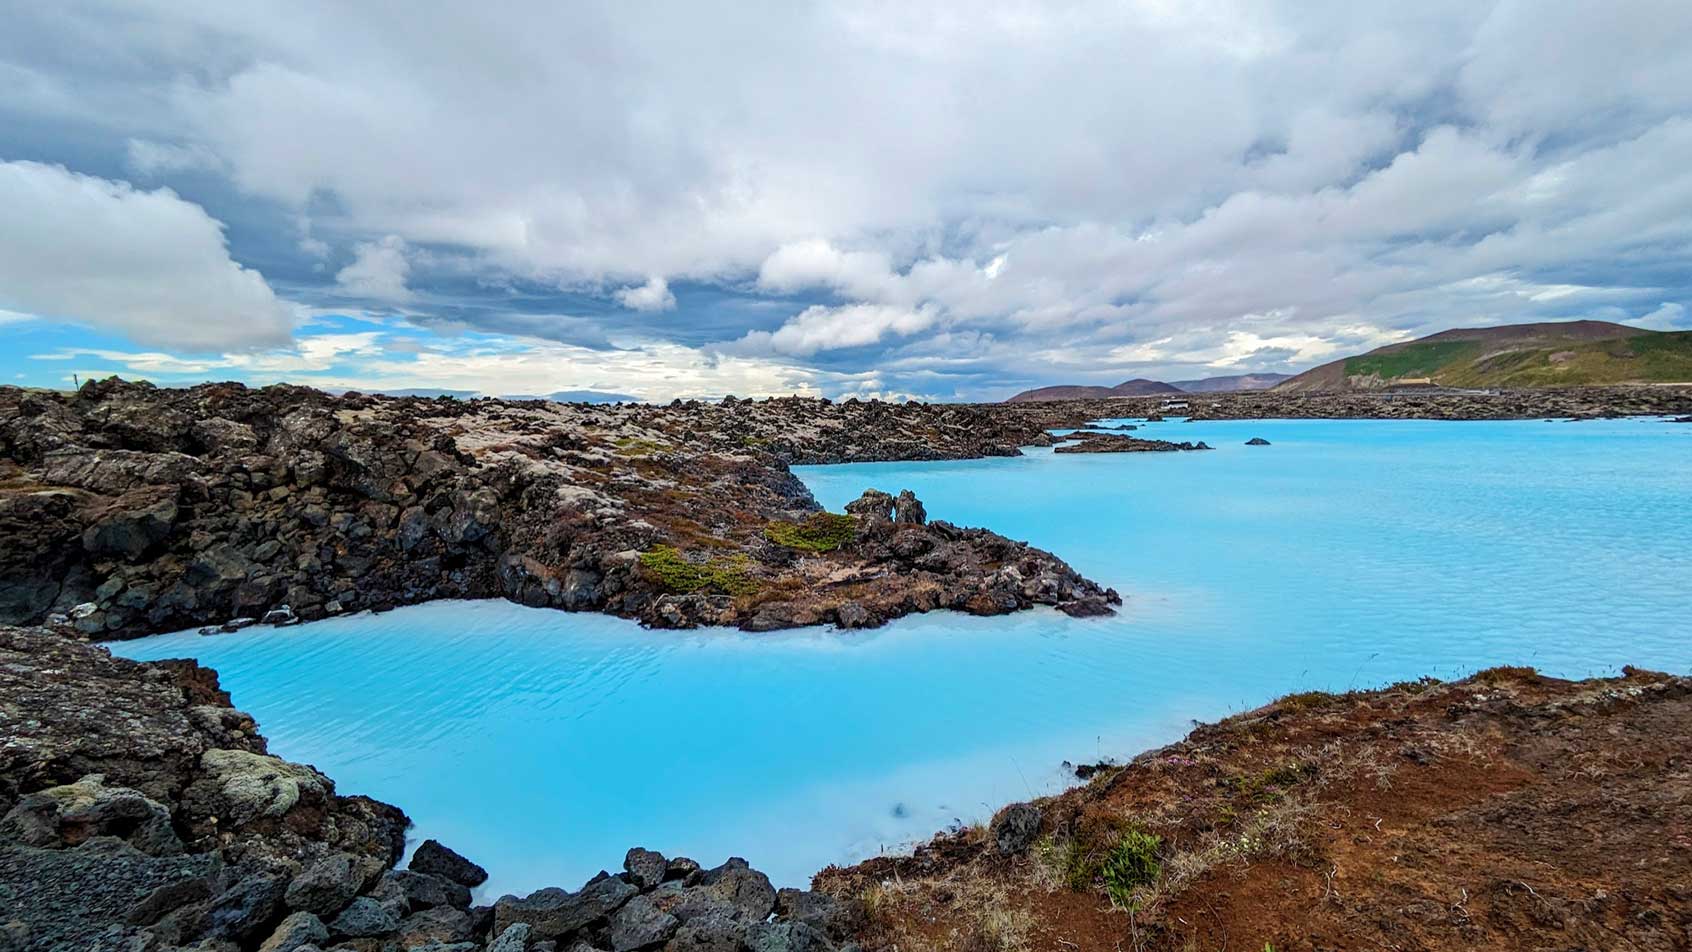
<point x="654" y="295"/>
<point x="378" y="271"/>
<point x="144" y="264"/>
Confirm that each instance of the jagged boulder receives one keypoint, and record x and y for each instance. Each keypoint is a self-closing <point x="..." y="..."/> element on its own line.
<point x="1015" y="828"/>
<point x="872" y="507"/>
<point x="646" y="868"/>
<point x="324" y="887"/>
<point x="437" y="860"/>
<point x="553" y="913"/>
<point x="908" y="510"/>
<point x="132" y="526"/>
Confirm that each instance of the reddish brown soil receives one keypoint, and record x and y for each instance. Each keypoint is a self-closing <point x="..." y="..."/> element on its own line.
<point x="1506" y="811"/>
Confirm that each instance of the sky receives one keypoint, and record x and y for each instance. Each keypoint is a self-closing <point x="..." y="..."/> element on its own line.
<point x="938" y="201"/>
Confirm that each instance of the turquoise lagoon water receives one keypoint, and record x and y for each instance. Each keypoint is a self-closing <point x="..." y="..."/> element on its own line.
<point x="1347" y="554"/>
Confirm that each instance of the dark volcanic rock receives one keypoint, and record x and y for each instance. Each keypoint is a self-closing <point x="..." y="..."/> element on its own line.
<point x="297" y="930"/>
<point x="646" y="868"/>
<point x="1015" y="828"/>
<point x="1257" y="441"/>
<point x="246" y="911"/>
<point x="641" y="924"/>
<point x="326" y="886"/>
<point x="437" y="860"/>
<point x="65" y="897"/>
<point x="67" y="815"/>
<point x="553" y="913"/>
<point x="422" y="890"/>
<point x="362" y="918"/>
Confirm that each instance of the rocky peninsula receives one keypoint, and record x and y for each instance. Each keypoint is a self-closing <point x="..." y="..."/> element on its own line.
<point x="129" y="509"/>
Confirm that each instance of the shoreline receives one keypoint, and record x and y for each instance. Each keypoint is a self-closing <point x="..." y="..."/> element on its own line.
<point x="158" y="764"/>
<point x="196" y="830"/>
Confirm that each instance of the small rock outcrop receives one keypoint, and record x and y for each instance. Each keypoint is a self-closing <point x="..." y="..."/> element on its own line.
<point x="1257" y="441"/>
<point x="1015" y="828"/>
<point x="1093" y="442"/>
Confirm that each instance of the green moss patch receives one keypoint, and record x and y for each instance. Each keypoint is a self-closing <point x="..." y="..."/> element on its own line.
<point x="820" y="532"/>
<point x="676" y="573"/>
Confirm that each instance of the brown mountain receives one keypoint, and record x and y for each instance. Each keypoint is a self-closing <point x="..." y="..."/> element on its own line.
<point x="1138" y="387"/>
<point x="1552" y="354"/>
<point x="1232" y="382"/>
<point x="1142" y="387"/>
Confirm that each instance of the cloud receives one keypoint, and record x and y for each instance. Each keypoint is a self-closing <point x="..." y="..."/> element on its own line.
<point x="384" y="362"/>
<point x="819" y="328"/>
<point x="1670" y="316"/>
<point x="960" y="198"/>
<point x="150" y="159"/>
<point x="654" y="295"/>
<point x="378" y="271"/>
<point x="147" y="265"/>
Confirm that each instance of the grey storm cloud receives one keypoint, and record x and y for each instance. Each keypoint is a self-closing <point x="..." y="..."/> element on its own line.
<point x="957" y="196"/>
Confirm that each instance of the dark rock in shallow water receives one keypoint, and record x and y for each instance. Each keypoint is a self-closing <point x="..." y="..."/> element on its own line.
<point x="1257" y="441"/>
<point x="908" y="510"/>
<point x="438" y="860"/>
<point x="1112" y="443"/>
<point x="682" y="868"/>
<point x="741" y="887"/>
<point x="872" y="507"/>
<point x="1015" y="828"/>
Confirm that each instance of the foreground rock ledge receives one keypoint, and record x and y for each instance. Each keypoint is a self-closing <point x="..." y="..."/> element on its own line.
<point x="128" y="509"/>
<point x="140" y="813"/>
<point x="1505" y="811"/>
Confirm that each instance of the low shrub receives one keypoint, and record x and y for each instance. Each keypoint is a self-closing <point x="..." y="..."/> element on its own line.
<point x="1506" y="673"/>
<point x="1131" y="865"/>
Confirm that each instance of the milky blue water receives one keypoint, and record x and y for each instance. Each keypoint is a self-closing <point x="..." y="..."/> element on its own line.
<point x="1347" y="554"/>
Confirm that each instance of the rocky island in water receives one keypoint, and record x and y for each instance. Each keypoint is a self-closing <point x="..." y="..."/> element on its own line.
<point x="141" y="811"/>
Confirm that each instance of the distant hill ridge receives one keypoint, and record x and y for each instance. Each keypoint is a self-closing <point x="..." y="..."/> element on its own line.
<point x="1550" y="354"/>
<point x="1141" y="387"/>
